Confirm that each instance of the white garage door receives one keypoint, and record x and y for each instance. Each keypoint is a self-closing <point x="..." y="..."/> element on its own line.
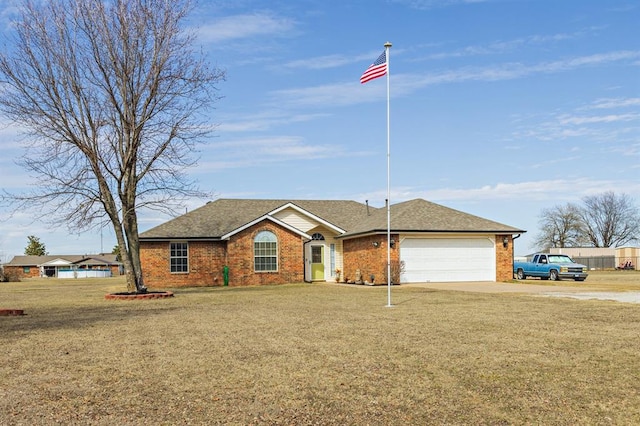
<point x="448" y="259"/>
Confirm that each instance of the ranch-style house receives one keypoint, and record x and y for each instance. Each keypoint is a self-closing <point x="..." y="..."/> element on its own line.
<point x="64" y="266"/>
<point x="252" y="242"/>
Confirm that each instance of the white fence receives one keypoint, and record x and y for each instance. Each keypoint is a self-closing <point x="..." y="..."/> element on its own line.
<point x="84" y="273"/>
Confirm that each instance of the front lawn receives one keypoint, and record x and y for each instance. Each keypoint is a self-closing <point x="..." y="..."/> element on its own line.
<point x="314" y="354"/>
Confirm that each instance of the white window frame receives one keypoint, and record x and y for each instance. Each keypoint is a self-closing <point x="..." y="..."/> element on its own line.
<point x="178" y="268"/>
<point x="265" y="250"/>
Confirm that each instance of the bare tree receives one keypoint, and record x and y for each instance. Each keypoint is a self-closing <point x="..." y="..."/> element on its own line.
<point x="111" y="94"/>
<point x="610" y="220"/>
<point x="560" y="226"/>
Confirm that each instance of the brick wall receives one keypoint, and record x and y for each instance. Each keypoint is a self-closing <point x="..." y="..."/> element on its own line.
<point x="361" y="254"/>
<point x="290" y="257"/>
<point x="18" y="272"/>
<point x="504" y="258"/>
<point x="207" y="259"/>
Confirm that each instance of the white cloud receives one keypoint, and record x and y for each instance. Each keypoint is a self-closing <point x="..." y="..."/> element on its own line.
<point x="333" y="61"/>
<point x="541" y="190"/>
<point x="504" y="46"/>
<point x="244" y="26"/>
<point x="242" y="153"/>
<point x="340" y="94"/>
<point x="613" y="103"/>
<point x="436" y="4"/>
<point x="562" y="125"/>
<point x="611" y="118"/>
<point x="263" y="121"/>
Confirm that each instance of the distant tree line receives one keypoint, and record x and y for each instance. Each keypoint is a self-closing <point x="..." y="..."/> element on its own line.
<point x="602" y="220"/>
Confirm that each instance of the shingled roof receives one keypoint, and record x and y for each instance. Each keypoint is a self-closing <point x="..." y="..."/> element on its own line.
<point x="78" y="259"/>
<point x="423" y="216"/>
<point x="223" y="216"/>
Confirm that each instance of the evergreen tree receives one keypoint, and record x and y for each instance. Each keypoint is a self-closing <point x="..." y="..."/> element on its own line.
<point x="35" y="247"/>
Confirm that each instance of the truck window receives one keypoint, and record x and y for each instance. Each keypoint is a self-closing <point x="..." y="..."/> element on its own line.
<point x="542" y="259"/>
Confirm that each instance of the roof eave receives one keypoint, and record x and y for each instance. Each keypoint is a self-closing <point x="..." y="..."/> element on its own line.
<point x="431" y="231"/>
<point x="179" y="238"/>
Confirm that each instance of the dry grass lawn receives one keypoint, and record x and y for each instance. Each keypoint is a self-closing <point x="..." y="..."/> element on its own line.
<point x="597" y="280"/>
<point x="314" y="354"/>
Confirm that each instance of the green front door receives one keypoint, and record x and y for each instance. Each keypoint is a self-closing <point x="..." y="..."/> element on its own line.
<point x="317" y="263"/>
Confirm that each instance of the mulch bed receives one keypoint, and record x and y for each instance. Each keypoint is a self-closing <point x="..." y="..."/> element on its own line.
<point x="139" y="296"/>
<point x="11" y="312"/>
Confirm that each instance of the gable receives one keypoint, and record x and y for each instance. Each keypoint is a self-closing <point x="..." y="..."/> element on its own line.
<point x="57" y="262"/>
<point x="302" y="219"/>
<point x="296" y="219"/>
<point x="262" y="219"/>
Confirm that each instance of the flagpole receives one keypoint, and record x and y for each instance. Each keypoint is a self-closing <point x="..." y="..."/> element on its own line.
<point x="387" y="47"/>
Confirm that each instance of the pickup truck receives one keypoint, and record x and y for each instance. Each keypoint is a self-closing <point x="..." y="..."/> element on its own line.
<point x="550" y="267"/>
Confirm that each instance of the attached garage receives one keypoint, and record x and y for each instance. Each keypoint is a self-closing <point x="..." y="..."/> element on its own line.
<point x="448" y="259"/>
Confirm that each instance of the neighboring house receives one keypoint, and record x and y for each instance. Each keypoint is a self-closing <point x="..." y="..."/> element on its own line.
<point x="63" y="266"/>
<point x="282" y="241"/>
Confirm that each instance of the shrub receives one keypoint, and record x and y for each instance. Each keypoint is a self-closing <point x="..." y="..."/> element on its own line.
<point x="7" y="277"/>
<point x="397" y="268"/>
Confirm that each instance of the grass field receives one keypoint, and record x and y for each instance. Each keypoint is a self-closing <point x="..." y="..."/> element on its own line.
<point x="316" y="354"/>
<point x="597" y="280"/>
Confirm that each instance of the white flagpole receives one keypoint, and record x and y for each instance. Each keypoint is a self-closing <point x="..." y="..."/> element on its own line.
<point x="387" y="47"/>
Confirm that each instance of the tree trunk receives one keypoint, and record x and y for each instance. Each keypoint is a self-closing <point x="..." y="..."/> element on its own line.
<point x="133" y="249"/>
<point x="126" y="260"/>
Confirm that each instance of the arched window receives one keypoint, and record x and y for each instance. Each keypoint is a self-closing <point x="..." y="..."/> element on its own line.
<point x="317" y="236"/>
<point x="265" y="252"/>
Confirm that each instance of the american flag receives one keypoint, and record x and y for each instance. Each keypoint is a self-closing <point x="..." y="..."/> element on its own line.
<point x="376" y="69"/>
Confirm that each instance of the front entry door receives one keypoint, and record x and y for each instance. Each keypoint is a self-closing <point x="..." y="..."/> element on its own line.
<point x="317" y="263"/>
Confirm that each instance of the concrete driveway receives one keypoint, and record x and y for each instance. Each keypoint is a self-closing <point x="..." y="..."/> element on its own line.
<point x="541" y="290"/>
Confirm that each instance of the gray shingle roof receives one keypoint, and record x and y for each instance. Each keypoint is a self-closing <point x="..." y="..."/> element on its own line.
<point x="223" y="216"/>
<point x="423" y="216"/>
<point x="90" y="259"/>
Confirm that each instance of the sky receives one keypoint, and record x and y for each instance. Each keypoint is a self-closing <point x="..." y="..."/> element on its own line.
<point x="498" y="108"/>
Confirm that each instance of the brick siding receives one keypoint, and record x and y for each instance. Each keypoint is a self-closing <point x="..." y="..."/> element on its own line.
<point x="361" y="254"/>
<point x="290" y="257"/>
<point x="18" y="272"/>
<point x="207" y="259"/>
<point x="504" y="258"/>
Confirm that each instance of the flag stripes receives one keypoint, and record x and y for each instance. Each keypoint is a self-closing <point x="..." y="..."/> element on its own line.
<point x="375" y="70"/>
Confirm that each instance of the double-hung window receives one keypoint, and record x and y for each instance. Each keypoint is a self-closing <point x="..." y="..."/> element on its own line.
<point x="265" y="252"/>
<point x="179" y="257"/>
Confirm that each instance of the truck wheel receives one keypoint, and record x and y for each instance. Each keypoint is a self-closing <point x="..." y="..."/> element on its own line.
<point x="553" y="275"/>
<point x="520" y="274"/>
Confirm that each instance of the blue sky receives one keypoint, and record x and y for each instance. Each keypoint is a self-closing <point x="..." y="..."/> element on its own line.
<point x="499" y="108"/>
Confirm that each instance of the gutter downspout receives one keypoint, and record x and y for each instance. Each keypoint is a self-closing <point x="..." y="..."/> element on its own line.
<point x="304" y="261"/>
<point x="513" y="251"/>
